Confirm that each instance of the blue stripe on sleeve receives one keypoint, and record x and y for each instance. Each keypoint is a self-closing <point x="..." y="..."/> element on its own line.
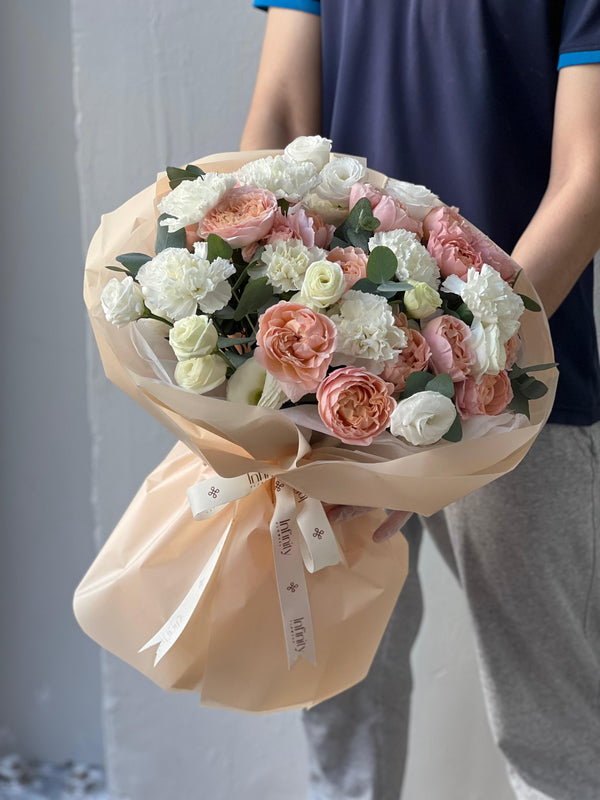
<point x="310" y="6"/>
<point x="583" y="57"/>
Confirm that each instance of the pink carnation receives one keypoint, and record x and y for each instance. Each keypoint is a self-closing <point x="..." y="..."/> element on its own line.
<point x="243" y="215"/>
<point x="391" y="213"/>
<point x="353" y="262"/>
<point x="295" y="345"/>
<point x="490" y="396"/>
<point x="414" y="357"/>
<point x="355" y="405"/>
<point x="448" y="339"/>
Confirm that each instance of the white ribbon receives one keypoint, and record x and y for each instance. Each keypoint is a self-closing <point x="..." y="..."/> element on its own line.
<point x="300" y="533"/>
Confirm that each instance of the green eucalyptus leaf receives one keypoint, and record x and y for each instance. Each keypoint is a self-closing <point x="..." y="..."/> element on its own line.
<point x="133" y="261"/>
<point x="535" y="368"/>
<point x="193" y="169"/>
<point x="464" y="313"/>
<point x="218" y="248"/>
<point x="365" y="285"/>
<point x="176" y="175"/>
<point x="416" y="382"/>
<point x="530" y="303"/>
<point x="255" y="295"/>
<point x="337" y="242"/>
<point x="283" y="205"/>
<point x="359" y="239"/>
<point x="119" y="269"/>
<point x="361" y="217"/>
<point x="165" y="239"/>
<point x="237" y="359"/>
<point x="519" y="404"/>
<point x="382" y="265"/>
<point x="454" y="433"/>
<point x="532" y="388"/>
<point x="224" y="313"/>
<point x="442" y="384"/>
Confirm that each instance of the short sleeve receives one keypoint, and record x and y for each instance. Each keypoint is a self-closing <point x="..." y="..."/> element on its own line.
<point x="580" y="34"/>
<point x="310" y="6"/>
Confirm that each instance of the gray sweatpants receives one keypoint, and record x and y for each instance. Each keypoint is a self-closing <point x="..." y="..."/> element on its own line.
<point x="526" y="550"/>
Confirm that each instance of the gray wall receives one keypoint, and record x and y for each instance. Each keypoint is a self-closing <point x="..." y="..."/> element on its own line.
<point x="49" y="673"/>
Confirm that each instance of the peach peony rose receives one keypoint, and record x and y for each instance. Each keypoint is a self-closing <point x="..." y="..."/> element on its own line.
<point x="355" y="405"/>
<point x="414" y="357"/>
<point x="491" y="254"/>
<point x="490" y="397"/>
<point x="295" y="345"/>
<point x="390" y="212"/>
<point x="448" y="339"/>
<point x="450" y="244"/>
<point x="353" y="262"/>
<point x="300" y="224"/>
<point x="512" y="347"/>
<point x="242" y="216"/>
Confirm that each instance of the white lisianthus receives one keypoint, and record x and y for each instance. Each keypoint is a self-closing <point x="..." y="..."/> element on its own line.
<point x="417" y="199"/>
<point x="323" y="285"/>
<point x="194" y="336"/>
<point x="490" y="299"/>
<point x="490" y="351"/>
<point x="423" y="418"/>
<point x="285" y="263"/>
<point x="414" y="261"/>
<point x="247" y="383"/>
<point x="177" y="282"/>
<point x="281" y="175"/>
<point x="331" y="213"/>
<point x="272" y="395"/>
<point x="421" y="301"/>
<point x="315" y="149"/>
<point x="122" y="301"/>
<point x="201" y="374"/>
<point x="338" y="177"/>
<point x="366" y="333"/>
<point x="192" y="200"/>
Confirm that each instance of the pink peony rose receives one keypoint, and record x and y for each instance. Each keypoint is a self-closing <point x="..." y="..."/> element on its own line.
<point x="512" y="347"/>
<point x="493" y="255"/>
<point x="295" y="345"/>
<point x="355" y="405"/>
<point x="448" y="339"/>
<point x="450" y="244"/>
<point x="490" y="397"/>
<point x="243" y="215"/>
<point x="391" y="213"/>
<point x="353" y="262"/>
<point x="414" y="357"/>
<point x="300" y="224"/>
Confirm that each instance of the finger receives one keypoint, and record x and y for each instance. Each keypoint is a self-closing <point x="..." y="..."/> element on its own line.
<point x="345" y="513"/>
<point x="393" y="523"/>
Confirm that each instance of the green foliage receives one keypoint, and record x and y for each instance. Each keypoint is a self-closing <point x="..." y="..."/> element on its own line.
<point x="365" y="285"/>
<point x="529" y="303"/>
<point x="358" y="228"/>
<point x="452" y="304"/>
<point x="256" y="294"/>
<point x="382" y="265"/>
<point x="165" y="239"/>
<point x="176" y="175"/>
<point x="218" y="248"/>
<point x="284" y="205"/>
<point x="416" y="382"/>
<point x="443" y="384"/>
<point x="132" y="262"/>
<point x="525" y="387"/>
<point x="454" y="432"/>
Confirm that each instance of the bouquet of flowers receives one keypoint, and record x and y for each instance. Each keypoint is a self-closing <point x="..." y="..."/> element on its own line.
<point x="314" y="331"/>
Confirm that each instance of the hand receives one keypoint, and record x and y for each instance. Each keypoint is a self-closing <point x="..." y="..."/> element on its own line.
<point x="393" y="523"/>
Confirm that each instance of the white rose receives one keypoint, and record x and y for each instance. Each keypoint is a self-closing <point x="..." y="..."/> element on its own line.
<point x="281" y="175"/>
<point x="315" y="149"/>
<point x="338" y="177"/>
<point x="323" y="285"/>
<point x="193" y="336"/>
<point x="419" y="200"/>
<point x="366" y="333"/>
<point x="192" y="200"/>
<point x="200" y="374"/>
<point x="122" y="301"/>
<point x="285" y="263"/>
<point x="423" y="418"/>
<point x="490" y="351"/>
<point x="177" y="282"/>
<point x="421" y="301"/>
<point x="414" y="261"/>
<point x="490" y="299"/>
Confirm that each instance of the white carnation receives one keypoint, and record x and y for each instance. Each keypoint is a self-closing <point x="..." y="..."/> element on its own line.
<point x="315" y="149"/>
<point x="419" y="200"/>
<point x="285" y="263"/>
<point x="423" y="418"/>
<point x="122" y="301"/>
<point x="338" y="177"/>
<point x="366" y="334"/>
<point x="281" y="175"/>
<point x="490" y="299"/>
<point x="414" y="261"/>
<point x="192" y="200"/>
<point x="177" y="282"/>
<point x="490" y="350"/>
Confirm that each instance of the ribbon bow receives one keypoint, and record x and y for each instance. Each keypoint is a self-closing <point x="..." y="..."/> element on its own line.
<point x="301" y="536"/>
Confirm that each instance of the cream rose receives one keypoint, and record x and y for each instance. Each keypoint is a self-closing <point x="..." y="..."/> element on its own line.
<point x="200" y="374"/>
<point x="323" y="285"/>
<point x="338" y="177"/>
<point x="191" y="337"/>
<point x="423" y="418"/>
<point x="419" y="200"/>
<point x="122" y="301"/>
<point x="315" y="149"/>
<point x="421" y="301"/>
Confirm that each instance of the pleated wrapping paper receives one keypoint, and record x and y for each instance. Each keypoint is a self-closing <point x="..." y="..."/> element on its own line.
<point x="232" y="650"/>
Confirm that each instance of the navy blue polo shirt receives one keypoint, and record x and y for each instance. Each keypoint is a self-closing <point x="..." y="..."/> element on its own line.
<point x="459" y="95"/>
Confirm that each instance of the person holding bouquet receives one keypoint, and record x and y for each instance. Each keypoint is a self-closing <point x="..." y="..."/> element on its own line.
<point x="466" y="98"/>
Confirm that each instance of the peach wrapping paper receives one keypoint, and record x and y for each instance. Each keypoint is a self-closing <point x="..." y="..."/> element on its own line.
<point x="232" y="650"/>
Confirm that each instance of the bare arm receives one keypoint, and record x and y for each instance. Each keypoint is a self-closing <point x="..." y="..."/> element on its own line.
<point x="564" y="234"/>
<point x="287" y="95"/>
